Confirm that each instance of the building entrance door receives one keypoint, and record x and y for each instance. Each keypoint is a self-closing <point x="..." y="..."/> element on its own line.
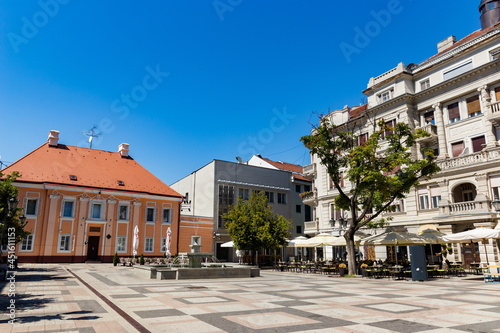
<point x="470" y="252"/>
<point x="93" y="248"/>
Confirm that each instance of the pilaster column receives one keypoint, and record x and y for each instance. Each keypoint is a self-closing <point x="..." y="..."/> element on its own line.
<point x="485" y="100"/>
<point x="52" y="234"/>
<point x="438" y="115"/>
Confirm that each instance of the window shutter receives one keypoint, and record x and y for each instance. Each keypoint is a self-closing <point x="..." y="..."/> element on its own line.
<point x="457" y="148"/>
<point x="453" y="111"/>
<point x="477" y="143"/>
<point x="497" y="94"/>
<point x="473" y="105"/>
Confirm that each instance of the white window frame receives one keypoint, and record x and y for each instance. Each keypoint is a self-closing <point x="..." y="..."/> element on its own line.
<point x="73" y="208"/>
<point x="102" y="212"/>
<point x="121" y="244"/>
<point x="425" y="84"/>
<point x="435" y="201"/>
<point x="163" y="247"/>
<point x="27" y="204"/>
<point x="149" y="244"/>
<point x="423" y="201"/>
<point x="386" y="95"/>
<point x="154" y="214"/>
<point x="28" y="240"/>
<point x="169" y="218"/>
<point x="66" y="247"/>
<point x="127" y="212"/>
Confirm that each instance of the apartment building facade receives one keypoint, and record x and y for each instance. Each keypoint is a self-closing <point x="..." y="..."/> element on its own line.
<point x="455" y="96"/>
<point x="215" y="187"/>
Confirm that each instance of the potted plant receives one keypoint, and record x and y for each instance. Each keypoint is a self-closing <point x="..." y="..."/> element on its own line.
<point x="342" y="269"/>
<point x="141" y="260"/>
<point x="115" y="259"/>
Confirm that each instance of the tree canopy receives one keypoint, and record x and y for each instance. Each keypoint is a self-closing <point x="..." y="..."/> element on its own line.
<point x="10" y="218"/>
<point x="253" y="225"/>
<point x="381" y="168"/>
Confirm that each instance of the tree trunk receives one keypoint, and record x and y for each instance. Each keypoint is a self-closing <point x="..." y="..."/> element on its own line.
<point x="351" y="254"/>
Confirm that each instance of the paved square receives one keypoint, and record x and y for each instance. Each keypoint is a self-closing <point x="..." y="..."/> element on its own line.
<point x="103" y="298"/>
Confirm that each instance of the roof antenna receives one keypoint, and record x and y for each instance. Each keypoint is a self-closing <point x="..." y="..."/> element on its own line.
<point x="92" y="133"/>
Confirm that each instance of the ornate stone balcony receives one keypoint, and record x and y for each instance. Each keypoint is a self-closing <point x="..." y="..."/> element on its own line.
<point x="310" y="227"/>
<point x="309" y="198"/>
<point x="494" y="117"/>
<point x="470" y="159"/>
<point x="432" y="130"/>
<point x="479" y="209"/>
<point x="310" y="171"/>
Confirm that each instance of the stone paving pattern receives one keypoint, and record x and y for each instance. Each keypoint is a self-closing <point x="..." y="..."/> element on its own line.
<point x="51" y="298"/>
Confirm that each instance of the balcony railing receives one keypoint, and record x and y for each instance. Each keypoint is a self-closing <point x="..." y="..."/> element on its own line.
<point x="309" y="198"/>
<point x="495" y="114"/>
<point x="310" y="171"/>
<point x="469" y="160"/>
<point x="466" y="207"/>
<point x="432" y="130"/>
<point x="310" y="226"/>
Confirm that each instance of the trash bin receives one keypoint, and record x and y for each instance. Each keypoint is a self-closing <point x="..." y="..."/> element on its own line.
<point x="418" y="263"/>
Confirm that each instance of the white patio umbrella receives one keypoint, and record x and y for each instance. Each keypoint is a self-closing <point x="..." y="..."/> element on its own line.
<point x="474" y="236"/>
<point x="135" y="243"/>
<point x="431" y="234"/>
<point x="227" y="244"/>
<point x="298" y="239"/>
<point x="168" y="241"/>
<point x="323" y="239"/>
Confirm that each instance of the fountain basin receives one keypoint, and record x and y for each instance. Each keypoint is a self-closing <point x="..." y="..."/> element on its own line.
<point x="177" y="273"/>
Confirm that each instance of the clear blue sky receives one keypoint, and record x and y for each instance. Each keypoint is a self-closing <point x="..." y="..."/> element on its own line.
<point x="185" y="82"/>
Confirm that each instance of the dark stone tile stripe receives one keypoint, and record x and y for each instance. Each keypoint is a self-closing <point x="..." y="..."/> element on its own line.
<point x="122" y="313"/>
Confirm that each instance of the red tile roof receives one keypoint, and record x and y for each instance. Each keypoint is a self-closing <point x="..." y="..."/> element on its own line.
<point x="295" y="169"/>
<point x="357" y="111"/>
<point x="92" y="168"/>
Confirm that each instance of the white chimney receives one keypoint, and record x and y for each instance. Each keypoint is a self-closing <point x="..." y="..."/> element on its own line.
<point x="443" y="45"/>
<point x="53" y="138"/>
<point x="123" y="149"/>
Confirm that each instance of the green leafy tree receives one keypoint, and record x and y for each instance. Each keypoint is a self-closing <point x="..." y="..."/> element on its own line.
<point x="378" y="176"/>
<point x="11" y="221"/>
<point x="253" y="225"/>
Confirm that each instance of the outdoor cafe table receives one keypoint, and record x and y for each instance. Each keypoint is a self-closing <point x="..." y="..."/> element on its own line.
<point x="397" y="272"/>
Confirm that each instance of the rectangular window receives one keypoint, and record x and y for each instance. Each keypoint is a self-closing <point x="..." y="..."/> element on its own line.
<point x="478" y="143"/>
<point x="64" y="243"/>
<point x="96" y="211"/>
<point x="31" y="206"/>
<point x="497" y="94"/>
<point x="298" y="208"/>
<point x="307" y="213"/>
<point x="270" y="197"/>
<point x="148" y="244"/>
<point x="307" y="188"/>
<point x="425" y="84"/>
<point x="390" y="124"/>
<point x="297" y="188"/>
<point x="298" y="229"/>
<point x="453" y="112"/>
<point x="435" y="201"/>
<point x="121" y="244"/>
<point x="150" y="214"/>
<point x="68" y="208"/>
<point x="244" y="193"/>
<point x="465" y="67"/>
<point x="457" y="148"/>
<point x="123" y="212"/>
<point x="282" y="198"/>
<point x="27" y="243"/>
<point x="165" y="215"/>
<point x="473" y="106"/>
<point x="362" y="138"/>
<point x="226" y="200"/>
<point x="424" y="201"/>
<point x="385" y="96"/>
<point x="429" y="118"/>
<point x="398" y="206"/>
